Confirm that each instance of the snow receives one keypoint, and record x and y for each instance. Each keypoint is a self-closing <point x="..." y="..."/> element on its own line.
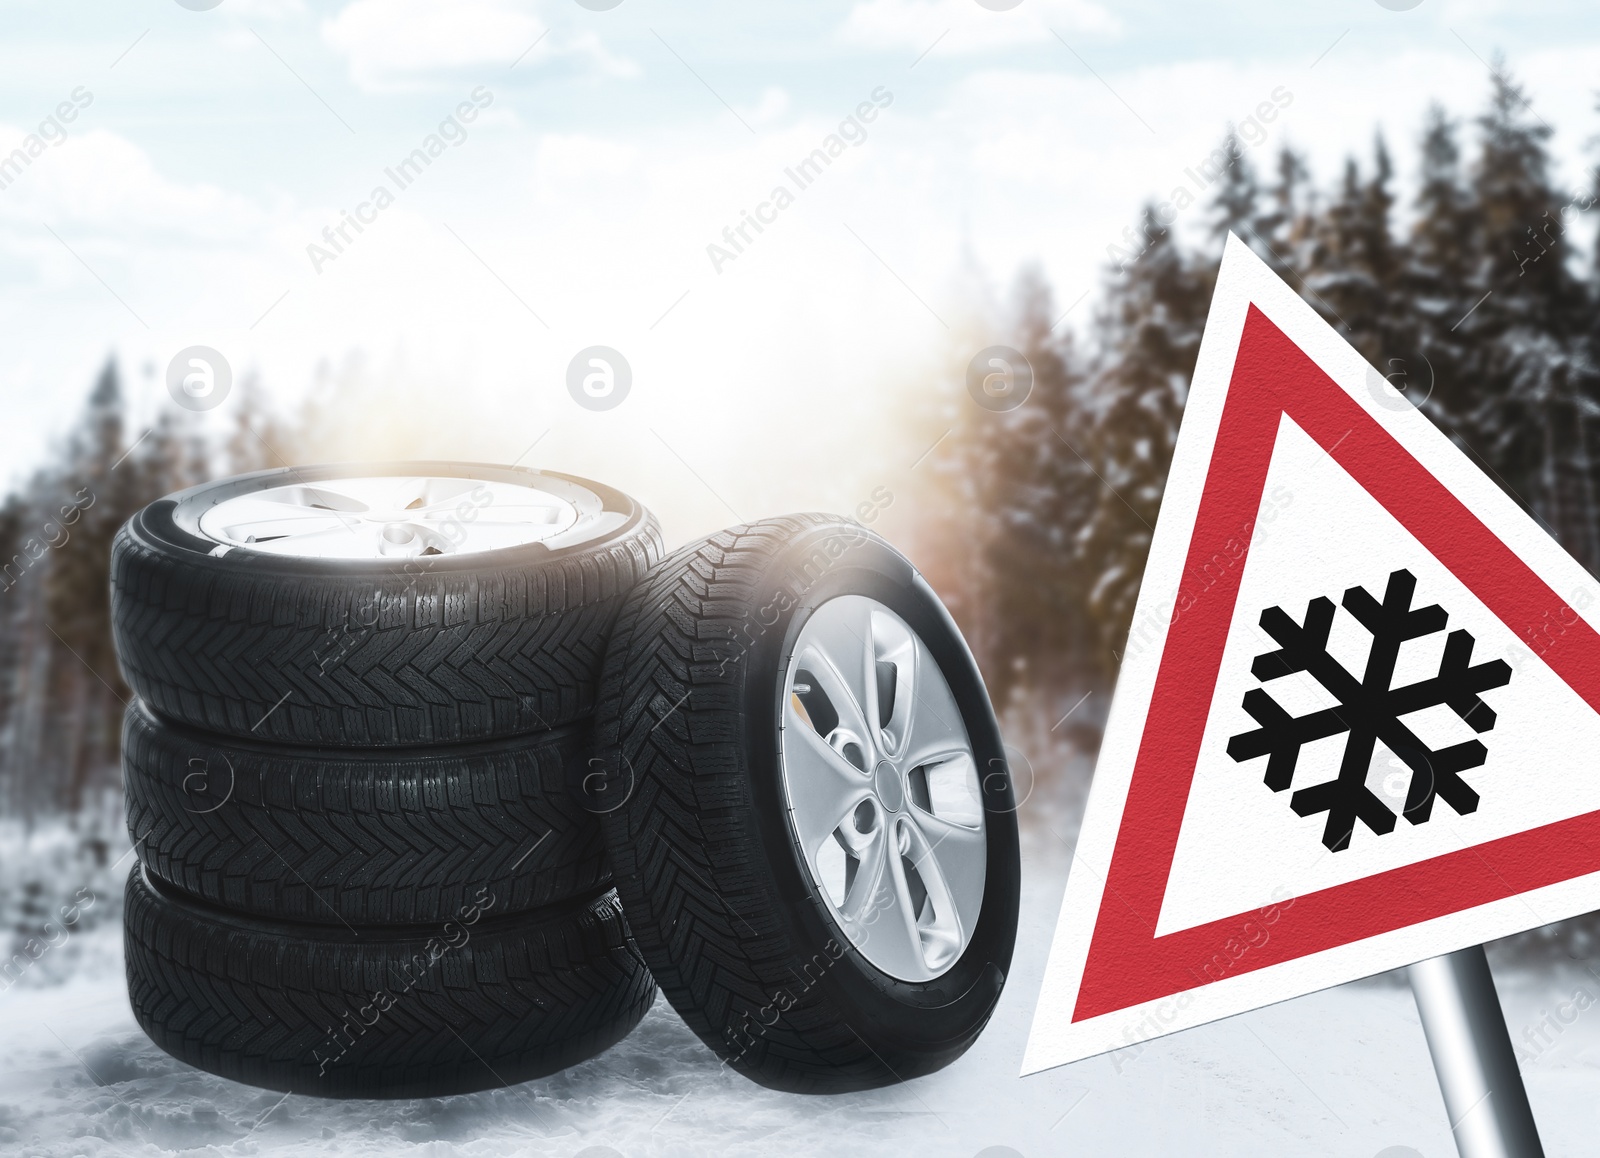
<point x="1344" y="1072"/>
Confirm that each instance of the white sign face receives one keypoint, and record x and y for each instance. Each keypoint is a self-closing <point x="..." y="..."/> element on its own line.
<point x="1357" y="718"/>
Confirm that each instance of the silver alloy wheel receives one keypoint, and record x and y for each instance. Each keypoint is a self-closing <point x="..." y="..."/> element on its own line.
<point x="882" y="788"/>
<point x="399" y="516"/>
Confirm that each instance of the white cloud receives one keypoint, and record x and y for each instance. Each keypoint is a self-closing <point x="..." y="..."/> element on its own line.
<point x="577" y="157"/>
<point x="773" y="105"/>
<point x="396" y="43"/>
<point x="100" y="182"/>
<point x="964" y="26"/>
<point x="267" y="9"/>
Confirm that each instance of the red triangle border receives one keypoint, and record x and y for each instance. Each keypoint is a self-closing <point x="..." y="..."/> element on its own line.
<point x="1127" y="963"/>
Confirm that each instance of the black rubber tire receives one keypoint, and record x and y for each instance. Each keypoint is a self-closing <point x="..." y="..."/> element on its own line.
<point x="358" y="653"/>
<point x="280" y="1006"/>
<point x="392" y="836"/>
<point x="715" y="888"/>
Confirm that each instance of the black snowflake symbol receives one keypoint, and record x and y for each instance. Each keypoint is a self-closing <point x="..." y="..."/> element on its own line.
<point x="1369" y="710"/>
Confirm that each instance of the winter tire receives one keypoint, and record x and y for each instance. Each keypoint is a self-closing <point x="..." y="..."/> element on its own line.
<point x="478" y="1002"/>
<point x="816" y="842"/>
<point x="389" y="836"/>
<point x="376" y="605"/>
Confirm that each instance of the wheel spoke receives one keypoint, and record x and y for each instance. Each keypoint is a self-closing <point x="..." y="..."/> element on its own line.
<point x="483" y="535"/>
<point x="872" y="697"/>
<point x="842" y="631"/>
<point x="842" y="685"/>
<point x="398" y="494"/>
<point x="312" y="496"/>
<point x="253" y="509"/>
<point x="891" y="924"/>
<point x="880" y="917"/>
<point x="952" y="860"/>
<point x="862" y="907"/>
<point x="935" y="721"/>
<point x="824" y="788"/>
<point x="855" y="842"/>
<point x="895" y="679"/>
<point x="297" y="525"/>
<point x="443" y="494"/>
<point x="501" y="513"/>
<point x="294" y="544"/>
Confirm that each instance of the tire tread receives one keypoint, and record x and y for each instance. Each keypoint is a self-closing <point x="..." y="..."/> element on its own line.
<point x="402" y="837"/>
<point x="501" y="651"/>
<point x="694" y="885"/>
<point x="258" y="1003"/>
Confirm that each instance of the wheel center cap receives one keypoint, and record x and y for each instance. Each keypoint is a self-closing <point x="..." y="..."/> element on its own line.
<point x="886" y="783"/>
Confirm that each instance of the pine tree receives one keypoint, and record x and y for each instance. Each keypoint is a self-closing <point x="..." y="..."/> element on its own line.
<point x="1332" y="282"/>
<point x="87" y="484"/>
<point x="90" y="500"/>
<point x="1437" y="283"/>
<point x="1042" y="495"/>
<point x="1149" y="329"/>
<point x="1234" y="208"/>
<point x="1534" y="417"/>
<point x="1380" y="258"/>
<point x="1233" y="204"/>
<point x="1284" y="224"/>
<point x="257" y="440"/>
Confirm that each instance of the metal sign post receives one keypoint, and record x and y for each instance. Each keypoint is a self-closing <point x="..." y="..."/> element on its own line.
<point x="1483" y="1092"/>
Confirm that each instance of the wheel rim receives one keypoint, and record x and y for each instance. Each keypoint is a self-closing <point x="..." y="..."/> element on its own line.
<point x="399" y="516"/>
<point x="882" y="788"/>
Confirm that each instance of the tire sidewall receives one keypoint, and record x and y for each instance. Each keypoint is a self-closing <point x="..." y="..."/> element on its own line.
<point x="917" y="1016"/>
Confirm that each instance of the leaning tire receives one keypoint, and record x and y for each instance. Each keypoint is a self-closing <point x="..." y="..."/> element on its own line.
<point x="393" y="1013"/>
<point x="804" y="978"/>
<point x="379" y="622"/>
<point x="396" y="836"/>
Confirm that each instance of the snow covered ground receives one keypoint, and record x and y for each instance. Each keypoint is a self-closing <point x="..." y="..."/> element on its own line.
<point x="1345" y="1072"/>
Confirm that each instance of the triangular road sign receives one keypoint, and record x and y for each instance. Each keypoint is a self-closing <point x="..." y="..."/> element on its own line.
<point x="1358" y="718"/>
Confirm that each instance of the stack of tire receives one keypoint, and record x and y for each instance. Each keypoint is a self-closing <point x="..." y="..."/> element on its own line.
<point x="399" y="727"/>
<point x="355" y="775"/>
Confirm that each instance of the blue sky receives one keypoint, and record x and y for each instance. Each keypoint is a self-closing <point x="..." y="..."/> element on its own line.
<point x="615" y="147"/>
